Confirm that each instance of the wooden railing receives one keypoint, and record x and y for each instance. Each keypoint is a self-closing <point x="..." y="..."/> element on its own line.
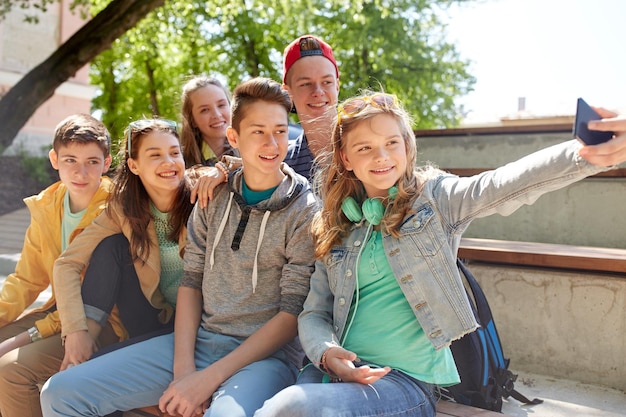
<point x="549" y="255"/>
<point x="468" y="172"/>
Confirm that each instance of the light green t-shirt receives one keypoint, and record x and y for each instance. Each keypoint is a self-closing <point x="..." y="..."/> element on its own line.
<point x="385" y="331"/>
<point x="171" y="262"/>
<point x="69" y="222"/>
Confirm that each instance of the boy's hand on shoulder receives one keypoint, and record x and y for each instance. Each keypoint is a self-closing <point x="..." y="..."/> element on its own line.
<point x="79" y="346"/>
<point x="202" y="191"/>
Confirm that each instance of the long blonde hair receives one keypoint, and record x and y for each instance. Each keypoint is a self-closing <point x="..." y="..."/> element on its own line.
<point x="333" y="182"/>
<point x="190" y="135"/>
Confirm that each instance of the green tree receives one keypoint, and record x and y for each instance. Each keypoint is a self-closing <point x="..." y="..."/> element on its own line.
<point x="399" y="46"/>
<point x="142" y="74"/>
<point x="21" y="101"/>
<point x="396" y="45"/>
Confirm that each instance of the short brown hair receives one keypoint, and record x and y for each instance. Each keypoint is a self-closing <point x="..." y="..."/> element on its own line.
<point x="253" y="90"/>
<point x="82" y="128"/>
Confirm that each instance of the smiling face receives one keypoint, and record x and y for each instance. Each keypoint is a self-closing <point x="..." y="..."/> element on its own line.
<point x="80" y="167"/>
<point x="210" y="111"/>
<point x="313" y="86"/>
<point x="262" y="142"/>
<point x="160" y="165"/>
<point x="375" y="151"/>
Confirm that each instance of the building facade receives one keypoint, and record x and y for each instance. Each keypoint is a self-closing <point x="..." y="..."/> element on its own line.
<point x="22" y="47"/>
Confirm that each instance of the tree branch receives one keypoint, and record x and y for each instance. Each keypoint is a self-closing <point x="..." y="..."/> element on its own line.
<point x="37" y="86"/>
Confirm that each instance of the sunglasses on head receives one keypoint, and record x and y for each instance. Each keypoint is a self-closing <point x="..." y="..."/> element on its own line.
<point x="353" y="106"/>
<point x="139" y="125"/>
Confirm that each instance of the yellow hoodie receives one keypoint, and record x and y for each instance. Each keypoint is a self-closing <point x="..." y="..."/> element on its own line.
<point x="42" y="246"/>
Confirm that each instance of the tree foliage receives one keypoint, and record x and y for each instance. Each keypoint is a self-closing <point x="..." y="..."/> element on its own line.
<point x="21" y="101"/>
<point x="37" y="5"/>
<point x="394" y="45"/>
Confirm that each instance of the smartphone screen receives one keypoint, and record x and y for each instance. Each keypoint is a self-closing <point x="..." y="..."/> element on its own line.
<point x="584" y="114"/>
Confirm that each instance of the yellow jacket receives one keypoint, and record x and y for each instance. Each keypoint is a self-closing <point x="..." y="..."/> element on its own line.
<point x="69" y="266"/>
<point x="42" y="246"/>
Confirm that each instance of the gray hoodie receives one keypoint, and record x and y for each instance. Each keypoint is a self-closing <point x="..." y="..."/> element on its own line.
<point x="250" y="262"/>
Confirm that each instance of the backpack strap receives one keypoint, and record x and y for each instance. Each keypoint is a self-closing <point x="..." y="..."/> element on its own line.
<point x="482" y="305"/>
<point x="521" y="397"/>
<point x="505" y="377"/>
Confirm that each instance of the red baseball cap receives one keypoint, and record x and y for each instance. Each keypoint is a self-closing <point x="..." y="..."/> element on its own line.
<point x="293" y="53"/>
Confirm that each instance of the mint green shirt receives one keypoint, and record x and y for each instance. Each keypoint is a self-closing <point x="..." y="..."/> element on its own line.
<point x="384" y="330"/>
<point x="69" y="222"/>
<point x="171" y="262"/>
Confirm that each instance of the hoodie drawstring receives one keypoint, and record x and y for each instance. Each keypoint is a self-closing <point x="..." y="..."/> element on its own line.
<point x="220" y="230"/>
<point x="258" y="247"/>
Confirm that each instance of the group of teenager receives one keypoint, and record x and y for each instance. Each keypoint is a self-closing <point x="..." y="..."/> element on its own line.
<point x="312" y="277"/>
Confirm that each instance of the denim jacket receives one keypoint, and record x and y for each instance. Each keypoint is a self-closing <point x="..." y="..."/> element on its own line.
<point x="423" y="258"/>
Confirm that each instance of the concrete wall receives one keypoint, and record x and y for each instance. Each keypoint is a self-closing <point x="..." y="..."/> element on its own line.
<point x="22" y="47"/>
<point x="563" y="324"/>
<point x="587" y="213"/>
<point x="566" y="324"/>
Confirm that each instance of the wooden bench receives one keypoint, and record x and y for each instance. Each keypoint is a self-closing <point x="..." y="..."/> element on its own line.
<point x="444" y="409"/>
<point x="550" y="255"/>
<point x="145" y="412"/>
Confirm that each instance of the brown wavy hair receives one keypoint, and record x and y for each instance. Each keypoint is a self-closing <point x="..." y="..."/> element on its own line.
<point x="130" y="194"/>
<point x="333" y="182"/>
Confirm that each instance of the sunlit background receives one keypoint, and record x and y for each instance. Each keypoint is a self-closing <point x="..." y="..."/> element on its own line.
<point x="548" y="51"/>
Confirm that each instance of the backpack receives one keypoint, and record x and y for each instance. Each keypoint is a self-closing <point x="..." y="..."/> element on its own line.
<point x="485" y="377"/>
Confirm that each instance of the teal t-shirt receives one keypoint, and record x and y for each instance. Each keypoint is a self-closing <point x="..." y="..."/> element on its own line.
<point x="255" y="197"/>
<point x="171" y="262"/>
<point x="69" y="222"/>
<point x="384" y="330"/>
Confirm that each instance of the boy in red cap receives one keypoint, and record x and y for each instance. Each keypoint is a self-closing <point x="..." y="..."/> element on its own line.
<point x="311" y="77"/>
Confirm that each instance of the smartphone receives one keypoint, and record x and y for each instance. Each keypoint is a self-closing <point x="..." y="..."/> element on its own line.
<point x="584" y="114"/>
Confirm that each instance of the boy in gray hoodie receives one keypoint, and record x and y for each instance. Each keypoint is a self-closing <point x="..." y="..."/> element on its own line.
<point x="248" y="261"/>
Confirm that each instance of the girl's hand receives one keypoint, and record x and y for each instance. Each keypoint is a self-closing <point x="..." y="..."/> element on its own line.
<point x="612" y="152"/>
<point x="339" y="361"/>
<point x="202" y="190"/>
<point x="79" y="346"/>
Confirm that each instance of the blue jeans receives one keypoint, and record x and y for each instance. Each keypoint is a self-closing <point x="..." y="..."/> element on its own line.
<point x="137" y="375"/>
<point x="396" y="394"/>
